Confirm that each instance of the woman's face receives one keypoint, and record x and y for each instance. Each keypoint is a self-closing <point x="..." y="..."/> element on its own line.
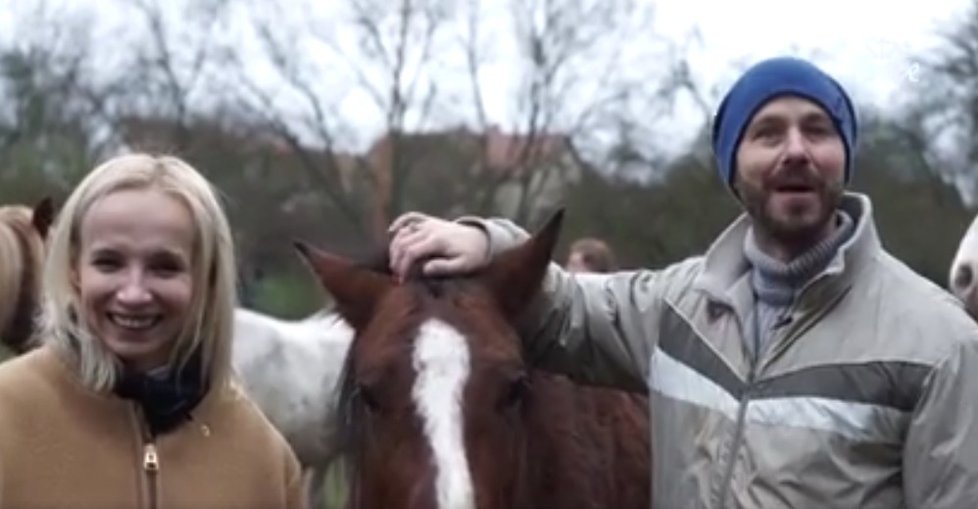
<point x="133" y="274"/>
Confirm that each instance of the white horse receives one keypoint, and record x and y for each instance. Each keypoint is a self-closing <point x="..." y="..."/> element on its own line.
<point x="963" y="278"/>
<point x="290" y="369"/>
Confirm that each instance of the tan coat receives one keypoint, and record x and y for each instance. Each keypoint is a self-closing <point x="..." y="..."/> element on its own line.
<point x="62" y="445"/>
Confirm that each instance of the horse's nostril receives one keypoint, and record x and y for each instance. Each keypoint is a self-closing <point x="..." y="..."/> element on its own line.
<point x="964" y="276"/>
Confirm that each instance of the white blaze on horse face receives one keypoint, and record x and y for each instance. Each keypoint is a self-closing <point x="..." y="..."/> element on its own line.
<point x="441" y="364"/>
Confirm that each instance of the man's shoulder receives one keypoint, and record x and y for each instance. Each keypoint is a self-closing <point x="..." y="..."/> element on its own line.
<point x="904" y="283"/>
<point x="672" y="279"/>
<point x="915" y="299"/>
<point x="684" y="271"/>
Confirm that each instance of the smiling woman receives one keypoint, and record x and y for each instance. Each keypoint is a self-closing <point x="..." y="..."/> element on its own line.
<point x="138" y="298"/>
<point x="133" y="274"/>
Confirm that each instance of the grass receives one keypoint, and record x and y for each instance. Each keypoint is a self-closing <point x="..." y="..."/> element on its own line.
<point x="288" y="295"/>
<point x="335" y="488"/>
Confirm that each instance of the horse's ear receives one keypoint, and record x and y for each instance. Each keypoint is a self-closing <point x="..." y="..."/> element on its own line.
<point x="43" y="216"/>
<point x="357" y="290"/>
<point x="514" y="276"/>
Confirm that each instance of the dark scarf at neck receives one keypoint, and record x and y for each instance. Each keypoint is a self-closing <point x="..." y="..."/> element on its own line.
<point x="166" y="399"/>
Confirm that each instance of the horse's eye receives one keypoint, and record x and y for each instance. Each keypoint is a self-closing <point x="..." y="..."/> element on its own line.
<point x="365" y="395"/>
<point x="516" y="391"/>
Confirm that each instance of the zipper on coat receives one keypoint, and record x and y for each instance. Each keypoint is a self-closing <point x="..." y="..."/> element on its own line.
<point x="151" y="466"/>
<point x="738" y="437"/>
<point x="758" y="360"/>
<point x="150" y="459"/>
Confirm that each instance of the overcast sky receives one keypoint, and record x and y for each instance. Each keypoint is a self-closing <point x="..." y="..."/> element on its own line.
<point x="868" y="44"/>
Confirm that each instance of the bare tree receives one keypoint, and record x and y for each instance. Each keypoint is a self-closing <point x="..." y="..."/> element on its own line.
<point x="383" y="51"/>
<point x="168" y="74"/>
<point x="947" y="107"/>
<point x="49" y="114"/>
<point x="569" y="74"/>
<point x="580" y="67"/>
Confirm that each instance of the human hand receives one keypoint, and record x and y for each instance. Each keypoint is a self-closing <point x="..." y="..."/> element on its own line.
<point x="453" y="248"/>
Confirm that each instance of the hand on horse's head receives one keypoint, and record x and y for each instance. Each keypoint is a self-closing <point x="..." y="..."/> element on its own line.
<point x="453" y="248"/>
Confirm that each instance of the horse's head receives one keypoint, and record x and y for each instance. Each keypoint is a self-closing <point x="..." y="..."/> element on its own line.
<point x="434" y="384"/>
<point x="23" y="232"/>
<point x="963" y="277"/>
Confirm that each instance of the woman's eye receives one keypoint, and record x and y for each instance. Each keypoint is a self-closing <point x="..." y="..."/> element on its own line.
<point x="168" y="270"/>
<point x="167" y="267"/>
<point x="105" y="264"/>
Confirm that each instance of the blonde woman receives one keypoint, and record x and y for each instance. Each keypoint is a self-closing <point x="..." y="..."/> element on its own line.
<point x="129" y="402"/>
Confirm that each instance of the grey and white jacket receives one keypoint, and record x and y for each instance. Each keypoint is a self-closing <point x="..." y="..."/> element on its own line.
<point x="867" y="395"/>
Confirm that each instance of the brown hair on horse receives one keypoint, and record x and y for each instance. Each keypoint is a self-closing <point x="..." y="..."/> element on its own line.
<point x="440" y="409"/>
<point x="22" y="246"/>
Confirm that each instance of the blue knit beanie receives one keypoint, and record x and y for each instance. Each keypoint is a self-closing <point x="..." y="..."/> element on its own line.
<point x="768" y="80"/>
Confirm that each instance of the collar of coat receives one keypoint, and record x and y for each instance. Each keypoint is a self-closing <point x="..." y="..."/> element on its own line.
<point x="725" y="277"/>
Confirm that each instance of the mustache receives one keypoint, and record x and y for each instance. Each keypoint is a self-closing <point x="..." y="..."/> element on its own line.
<point x="794" y="176"/>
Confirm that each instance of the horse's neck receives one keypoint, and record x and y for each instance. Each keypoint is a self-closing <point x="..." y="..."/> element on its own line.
<point x="321" y="327"/>
<point x="331" y="321"/>
<point x="616" y="456"/>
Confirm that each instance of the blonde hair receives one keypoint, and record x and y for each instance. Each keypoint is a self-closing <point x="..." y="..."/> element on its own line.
<point x="17" y="233"/>
<point x="209" y="326"/>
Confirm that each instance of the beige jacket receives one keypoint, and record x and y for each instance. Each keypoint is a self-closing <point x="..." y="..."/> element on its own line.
<point x="64" y="446"/>
<point x="867" y="397"/>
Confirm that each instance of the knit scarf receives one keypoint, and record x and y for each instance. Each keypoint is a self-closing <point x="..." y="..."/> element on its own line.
<point x="166" y="396"/>
<point x="776" y="284"/>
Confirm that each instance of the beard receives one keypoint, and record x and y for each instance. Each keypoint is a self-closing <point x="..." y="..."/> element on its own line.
<point x="793" y="222"/>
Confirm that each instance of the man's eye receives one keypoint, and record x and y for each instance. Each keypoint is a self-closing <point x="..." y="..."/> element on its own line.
<point x="766" y="134"/>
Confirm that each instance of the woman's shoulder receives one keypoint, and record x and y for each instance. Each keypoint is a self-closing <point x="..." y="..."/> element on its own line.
<point x="30" y="392"/>
<point x="234" y="405"/>
<point x="27" y="372"/>
<point x="239" y="417"/>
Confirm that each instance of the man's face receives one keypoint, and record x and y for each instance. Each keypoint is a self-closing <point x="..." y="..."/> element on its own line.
<point x="791" y="171"/>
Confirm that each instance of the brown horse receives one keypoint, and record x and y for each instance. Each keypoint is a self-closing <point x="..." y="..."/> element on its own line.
<point x="439" y="408"/>
<point x="22" y="248"/>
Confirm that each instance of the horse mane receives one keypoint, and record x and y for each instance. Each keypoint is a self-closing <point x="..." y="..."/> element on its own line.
<point x="433" y="285"/>
<point x="21" y="258"/>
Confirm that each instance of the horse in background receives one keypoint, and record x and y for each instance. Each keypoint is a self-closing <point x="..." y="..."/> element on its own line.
<point x="439" y="408"/>
<point x="292" y="369"/>
<point x="23" y="234"/>
<point x="963" y="277"/>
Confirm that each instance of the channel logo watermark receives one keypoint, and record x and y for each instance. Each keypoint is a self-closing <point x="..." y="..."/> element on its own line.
<point x="894" y="57"/>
